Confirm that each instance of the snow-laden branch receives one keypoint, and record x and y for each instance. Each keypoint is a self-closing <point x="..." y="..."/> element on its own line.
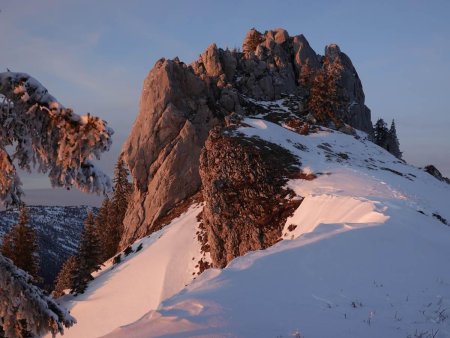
<point x="25" y="308"/>
<point x="48" y="136"/>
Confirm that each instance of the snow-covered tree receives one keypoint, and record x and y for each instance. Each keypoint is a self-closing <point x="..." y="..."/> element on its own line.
<point x="25" y="311"/>
<point x="46" y="135"/>
<point x="89" y="256"/>
<point x="20" y="245"/>
<point x="43" y="134"/>
<point x="64" y="279"/>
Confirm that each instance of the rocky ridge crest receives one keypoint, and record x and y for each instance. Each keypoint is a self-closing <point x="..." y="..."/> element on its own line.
<point x="182" y="104"/>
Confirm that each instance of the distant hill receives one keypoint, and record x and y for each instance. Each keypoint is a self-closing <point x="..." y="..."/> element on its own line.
<point x="61" y="197"/>
<point x="58" y="230"/>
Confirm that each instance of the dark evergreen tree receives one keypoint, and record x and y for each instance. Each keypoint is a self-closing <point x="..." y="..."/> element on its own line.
<point x="64" y="279"/>
<point x="394" y="143"/>
<point x="380" y="132"/>
<point x="89" y="256"/>
<point x="106" y="231"/>
<point x="109" y="221"/>
<point x="20" y="245"/>
<point x="387" y="138"/>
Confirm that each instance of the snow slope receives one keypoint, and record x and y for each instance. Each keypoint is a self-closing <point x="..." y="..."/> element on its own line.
<point x="363" y="256"/>
<point x="122" y="293"/>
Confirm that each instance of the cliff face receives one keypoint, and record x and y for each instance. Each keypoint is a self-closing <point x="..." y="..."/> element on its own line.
<point x="163" y="149"/>
<point x="357" y="113"/>
<point x="180" y="104"/>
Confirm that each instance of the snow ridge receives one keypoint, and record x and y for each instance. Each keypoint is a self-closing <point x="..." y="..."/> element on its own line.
<point x="362" y="256"/>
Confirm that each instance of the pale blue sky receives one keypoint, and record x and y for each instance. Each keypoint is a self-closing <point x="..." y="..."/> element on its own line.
<point x="94" y="55"/>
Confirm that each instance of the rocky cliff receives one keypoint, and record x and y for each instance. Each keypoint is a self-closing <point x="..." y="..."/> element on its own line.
<point x="177" y="110"/>
<point x="181" y="104"/>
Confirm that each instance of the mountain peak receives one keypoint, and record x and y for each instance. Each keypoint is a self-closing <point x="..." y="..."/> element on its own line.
<point x="180" y="104"/>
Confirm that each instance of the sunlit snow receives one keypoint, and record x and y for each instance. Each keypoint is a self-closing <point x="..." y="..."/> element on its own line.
<point x="362" y="256"/>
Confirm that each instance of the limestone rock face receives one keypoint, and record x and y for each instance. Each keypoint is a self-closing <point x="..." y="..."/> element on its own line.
<point x="164" y="146"/>
<point x="246" y="204"/>
<point x="357" y="113"/>
<point x="304" y="55"/>
<point x="273" y="65"/>
<point x="179" y="106"/>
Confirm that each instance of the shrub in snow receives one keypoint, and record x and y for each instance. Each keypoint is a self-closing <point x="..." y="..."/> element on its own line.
<point x="117" y="259"/>
<point x="128" y="250"/>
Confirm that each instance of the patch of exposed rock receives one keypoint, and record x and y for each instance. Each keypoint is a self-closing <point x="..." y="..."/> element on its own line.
<point x="181" y="103"/>
<point x="433" y="171"/>
<point x="246" y="204"/>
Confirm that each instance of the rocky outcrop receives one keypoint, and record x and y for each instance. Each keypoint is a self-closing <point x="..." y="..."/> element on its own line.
<point x="357" y="114"/>
<point x="273" y="64"/>
<point x="181" y="103"/>
<point x="176" y="113"/>
<point x="246" y="205"/>
<point x="433" y="171"/>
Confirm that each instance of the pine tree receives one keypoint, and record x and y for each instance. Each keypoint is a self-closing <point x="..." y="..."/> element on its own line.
<point x="20" y="245"/>
<point x="105" y="230"/>
<point x="89" y="255"/>
<point x="326" y="99"/>
<point x="394" y="143"/>
<point x="387" y="138"/>
<point x="121" y="195"/>
<point x="109" y="221"/>
<point x="64" y="279"/>
<point x="380" y="132"/>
